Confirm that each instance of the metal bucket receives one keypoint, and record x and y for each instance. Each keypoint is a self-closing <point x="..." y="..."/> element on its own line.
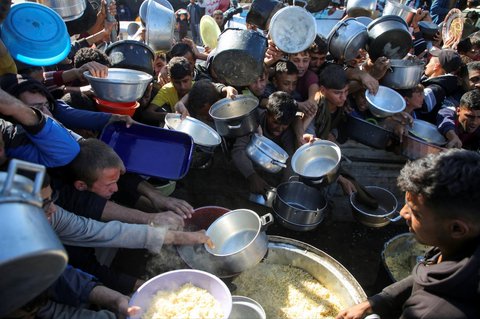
<point x="32" y="256"/>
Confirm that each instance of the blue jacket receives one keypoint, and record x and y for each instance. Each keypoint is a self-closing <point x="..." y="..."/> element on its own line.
<point x="79" y="119"/>
<point x="48" y="143"/>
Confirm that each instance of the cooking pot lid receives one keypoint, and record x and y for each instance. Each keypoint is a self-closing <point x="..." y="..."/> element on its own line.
<point x="293" y="29"/>
<point x="393" y="43"/>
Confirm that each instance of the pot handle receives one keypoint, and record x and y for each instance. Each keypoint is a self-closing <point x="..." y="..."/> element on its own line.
<point x="394" y="219"/>
<point x="233" y="127"/>
<point x="275" y="162"/>
<point x="26" y="166"/>
<point x="294" y="178"/>
<point x="266" y="220"/>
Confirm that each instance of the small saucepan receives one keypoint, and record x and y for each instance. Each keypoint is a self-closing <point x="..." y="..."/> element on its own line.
<point x="379" y="216"/>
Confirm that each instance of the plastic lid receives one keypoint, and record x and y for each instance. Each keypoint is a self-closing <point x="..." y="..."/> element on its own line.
<point x="35" y="34"/>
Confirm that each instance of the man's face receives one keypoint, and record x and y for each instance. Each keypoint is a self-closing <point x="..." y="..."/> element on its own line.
<point x="431" y="66"/>
<point x="258" y="87"/>
<point x="106" y="183"/>
<point x="48" y="202"/>
<point x="274" y="127"/>
<point x="316" y="61"/>
<point x="428" y="227"/>
<point x="183" y="85"/>
<point x="473" y="79"/>
<point x="37" y="101"/>
<point x="219" y="19"/>
<point x="301" y="61"/>
<point x="286" y="82"/>
<point x="469" y="119"/>
<point x="334" y="96"/>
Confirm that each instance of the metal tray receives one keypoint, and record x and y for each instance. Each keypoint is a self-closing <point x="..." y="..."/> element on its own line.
<point x="150" y="150"/>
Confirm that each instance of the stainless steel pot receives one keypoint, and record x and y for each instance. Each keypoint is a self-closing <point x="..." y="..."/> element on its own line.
<point x="324" y="268"/>
<point x="234" y="118"/>
<point x="383" y="215"/>
<point x="317" y="162"/>
<point x="403" y="74"/>
<point x="265" y="153"/>
<point x="160" y="26"/>
<point x="32" y="256"/>
<point x="361" y="8"/>
<point x="389" y="37"/>
<point x="346" y="38"/>
<point x="367" y="133"/>
<point x="299" y="205"/>
<point x="239" y="238"/>
<point x="396" y="8"/>
<point x="68" y="9"/>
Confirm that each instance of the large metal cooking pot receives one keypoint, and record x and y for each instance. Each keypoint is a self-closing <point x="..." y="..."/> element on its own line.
<point x="261" y="11"/>
<point x="361" y="8"/>
<point x="389" y="37"/>
<point x="381" y="216"/>
<point x="346" y="38"/>
<point x="234" y="118"/>
<point x="239" y="238"/>
<point x="300" y="206"/>
<point x="293" y="29"/>
<point x="393" y="7"/>
<point x="265" y="153"/>
<point x="324" y="268"/>
<point x="68" y="9"/>
<point x="367" y="133"/>
<point x="239" y="56"/>
<point x="32" y="257"/>
<point x="130" y="54"/>
<point x="317" y="162"/>
<point x="403" y="74"/>
<point x="160" y="26"/>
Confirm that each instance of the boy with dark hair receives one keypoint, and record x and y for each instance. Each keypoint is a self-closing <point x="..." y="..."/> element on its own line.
<point x="201" y="97"/>
<point x="318" y="53"/>
<point x="275" y="123"/>
<point x="442" y="200"/>
<point x="181" y="81"/>
<point x="461" y="127"/>
<point x="284" y="79"/>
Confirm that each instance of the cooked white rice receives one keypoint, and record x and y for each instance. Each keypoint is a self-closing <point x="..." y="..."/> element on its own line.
<point x="188" y="302"/>
<point x="287" y="292"/>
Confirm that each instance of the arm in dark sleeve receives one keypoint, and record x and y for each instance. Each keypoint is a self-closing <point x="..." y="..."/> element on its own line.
<point x="73" y="287"/>
<point x="86" y="204"/>
<point x="77" y="118"/>
<point x="240" y="158"/>
<point x="392" y="297"/>
<point x="445" y="120"/>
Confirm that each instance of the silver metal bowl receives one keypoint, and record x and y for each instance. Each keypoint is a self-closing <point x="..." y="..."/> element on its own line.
<point x="201" y="133"/>
<point x="121" y="85"/>
<point x="386" y="102"/>
<point x="427" y="132"/>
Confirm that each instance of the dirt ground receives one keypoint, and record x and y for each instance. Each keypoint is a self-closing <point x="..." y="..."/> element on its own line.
<point x="357" y="247"/>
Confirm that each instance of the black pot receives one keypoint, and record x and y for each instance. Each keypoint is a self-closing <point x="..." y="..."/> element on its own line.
<point x="131" y="54"/>
<point x="239" y="56"/>
<point x="428" y="29"/>
<point x="261" y="11"/>
<point x="389" y="37"/>
<point x="367" y="133"/>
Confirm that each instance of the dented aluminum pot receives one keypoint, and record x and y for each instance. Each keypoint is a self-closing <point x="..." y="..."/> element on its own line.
<point x="266" y="154"/>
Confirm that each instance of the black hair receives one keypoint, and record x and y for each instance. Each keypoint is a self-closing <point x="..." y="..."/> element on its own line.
<point x="179" y="50"/>
<point x="282" y="106"/>
<point x="179" y="67"/>
<point x="408" y="92"/>
<point x="85" y="55"/>
<point x="471" y="100"/>
<point x="286" y="67"/>
<point x="333" y="76"/>
<point x="449" y="182"/>
<point x="319" y="45"/>
<point x="201" y="94"/>
<point x="473" y="66"/>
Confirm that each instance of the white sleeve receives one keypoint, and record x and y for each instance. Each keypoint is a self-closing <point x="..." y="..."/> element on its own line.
<point x="76" y="230"/>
